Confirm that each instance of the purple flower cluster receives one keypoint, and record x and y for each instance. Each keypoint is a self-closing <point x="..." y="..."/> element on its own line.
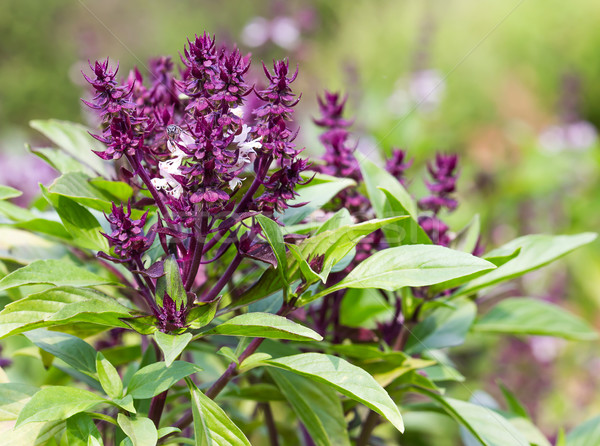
<point x="444" y="176"/>
<point x="338" y="159"/>
<point x="192" y="141"/>
<point x="127" y="237"/>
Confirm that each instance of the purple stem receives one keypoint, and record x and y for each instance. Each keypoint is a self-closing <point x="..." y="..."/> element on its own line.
<point x="231" y="370"/>
<point x="216" y="289"/>
<point x="198" y="249"/>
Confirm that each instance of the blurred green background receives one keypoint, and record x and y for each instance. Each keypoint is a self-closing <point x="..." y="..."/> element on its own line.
<point x="510" y="85"/>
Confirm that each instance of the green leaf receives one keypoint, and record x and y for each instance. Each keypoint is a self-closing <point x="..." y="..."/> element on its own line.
<point x="172" y="345"/>
<point x="536" y="251"/>
<point x="25" y="219"/>
<point x="586" y="434"/>
<point x="109" y="378"/>
<point x="389" y="198"/>
<point x="444" y="327"/>
<point x="274" y="236"/>
<point x="408" y="265"/>
<point x="255" y="392"/>
<point x="125" y="403"/>
<point x="81" y="429"/>
<point x="78" y="221"/>
<point x="333" y="245"/>
<point x="202" y="313"/>
<point x="317" y="406"/>
<point x="339" y="219"/>
<point x="155" y="378"/>
<point x="13" y="397"/>
<point x="57" y="403"/>
<point x="212" y="426"/>
<point x="316" y="196"/>
<point x="60" y="160"/>
<point x="74" y="351"/>
<point x="118" y="189"/>
<point x="513" y="403"/>
<point x="53" y="272"/>
<point x="489" y="427"/>
<point x="310" y="276"/>
<point x="265" y="325"/>
<point x="171" y="283"/>
<point x="78" y="187"/>
<point x="163" y="431"/>
<point x="59" y="306"/>
<point x="364" y="308"/>
<point x="7" y="192"/>
<point x="75" y="140"/>
<point x="527" y="316"/>
<point x="140" y="430"/>
<point x="466" y="239"/>
<point x="404" y="232"/>
<point x="34" y="434"/>
<point x="346" y="378"/>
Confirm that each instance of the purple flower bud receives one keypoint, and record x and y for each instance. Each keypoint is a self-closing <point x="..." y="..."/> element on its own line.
<point x="332" y="108"/>
<point x="444" y="175"/>
<point x="397" y="165"/>
<point x="169" y="317"/>
<point x="127" y="237"/>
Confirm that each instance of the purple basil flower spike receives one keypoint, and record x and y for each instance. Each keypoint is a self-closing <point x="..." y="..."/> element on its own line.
<point x="127" y="237"/>
<point x="444" y="175"/>
<point x="169" y="317"/>
<point x="397" y="165"/>
<point x="280" y="187"/>
<point x="110" y="98"/>
<point x="332" y="106"/>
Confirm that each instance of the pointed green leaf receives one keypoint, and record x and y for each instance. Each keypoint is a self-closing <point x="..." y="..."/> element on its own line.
<point x="273" y="234"/>
<point x="7" y="192"/>
<point x="265" y="325"/>
<point x="403" y="232"/>
<point x="109" y="377"/>
<point x="171" y="283"/>
<point x="536" y="251"/>
<point x="202" y="313"/>
<point x="466" y="239"/>
<point x="408" y="265"/>
<point x="586" y="434"/>
<point x="140" y="430"/>
<point x="81" y="429"/>
<point x="316" y="405"/>
<point x="60" y="160"/>
<point x="57" y="403"/>
<point x="13" y="397"/>
<point x="75" y="140"/>
<point x="333" y="245"/>
<point x="83" y="227"/>
<point x="155" y="378"/>
<point x="346" y="378"/>
<point x="74" y="351"/>
<point x="59" y="306"/>
<point x="526" y="316"/>
<point x="443" y="327"/>
<point x="513" y="403"/>
<point x="172" y="345"/>
<point x="488" y="426"/>
<point x="53" y="272"/>
<point x="212" y="426"/>
<point x="316" y="196"/>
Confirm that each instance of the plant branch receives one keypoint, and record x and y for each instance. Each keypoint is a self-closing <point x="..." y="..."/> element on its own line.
<point x="198" y="245"/>
<point x="368" y="426"/>
<point x="270" y="422"/>
<point x="225" y="278"/>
